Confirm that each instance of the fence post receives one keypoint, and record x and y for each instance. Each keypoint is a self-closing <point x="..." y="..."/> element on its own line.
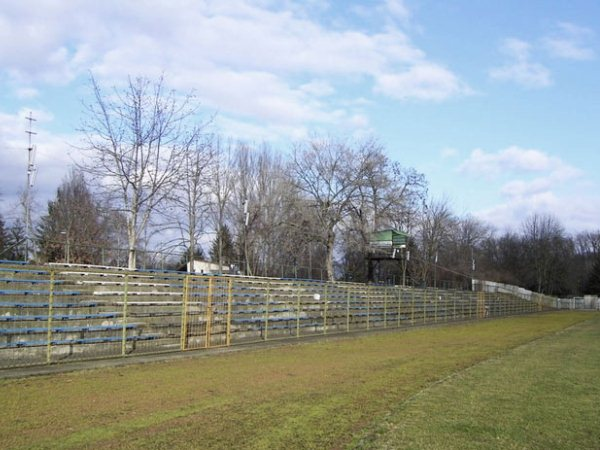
<point x="298" y="312"/>
<point x="435" y="305"/>
<point x="425" y="305"/>
<point x="229" y="299"/>
<point x="481" y="305"/>
<point x="400" y="296"/>
<point x="412" y="312"/>
<point x="266" y="335"/>
<point x="369" y="291"/>
<point x="348" y="310"/>
<point x="49" y="321"/>
<point x="325" y="295"/>
<point x="184" y="306"/>
<point x="385" y="297"/>
<point x="209" y="313"/>
<point x="454" y="305"/>
<point x="124" y="317"/>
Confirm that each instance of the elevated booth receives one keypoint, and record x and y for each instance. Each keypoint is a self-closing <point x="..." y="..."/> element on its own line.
<point x="387" y="245"/>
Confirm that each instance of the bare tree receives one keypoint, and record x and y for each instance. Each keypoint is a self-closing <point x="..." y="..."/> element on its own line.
<point x="546" y="250"/>
<point x="389" y="196"/>
<point x="135" y="140"/>
<point x="328" y="172"/>
<point x="465" y="242"/>
<point x="192" y="194"/>
<point x="433" y="233"/>
<point x="221" y="188"/>
<point x="261" y="204"/>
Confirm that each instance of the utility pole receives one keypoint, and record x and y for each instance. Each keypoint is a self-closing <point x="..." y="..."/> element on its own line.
<point x="28" y="194"/>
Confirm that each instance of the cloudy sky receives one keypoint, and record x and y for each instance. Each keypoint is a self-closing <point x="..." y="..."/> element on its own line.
<point x="498" y="103"/>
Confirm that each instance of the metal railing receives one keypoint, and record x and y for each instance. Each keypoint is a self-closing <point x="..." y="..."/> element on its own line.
<point x="51" y="315"/>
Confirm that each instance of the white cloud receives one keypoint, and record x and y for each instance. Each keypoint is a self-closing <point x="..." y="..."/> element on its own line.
<point x="424" y="81"/>
<point x="520" y="68"/>
<point x="570" y="42"/>
<point x="576" y="213"/>
<point x="319" y="88"/>
<point x="26" y="93"/>
<point x="511" y="159"/>
<point x="532" y="181"/>
<point x="398" y="9"/>
<point x="243" y="58"/>
<point x="448" y="153"/>
<point x="539" y="185"/>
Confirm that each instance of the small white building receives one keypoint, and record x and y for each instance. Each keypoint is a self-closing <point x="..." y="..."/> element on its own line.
<point x="205" y="267"/>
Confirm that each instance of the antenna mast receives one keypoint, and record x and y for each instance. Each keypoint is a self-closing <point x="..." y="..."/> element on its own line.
<point x="31" y="171"/>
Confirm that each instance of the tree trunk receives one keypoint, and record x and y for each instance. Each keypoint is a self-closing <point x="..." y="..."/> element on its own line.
<point x="131" y="259"/>
<point x="131" y="239"/>
<point x="329" y="262"/>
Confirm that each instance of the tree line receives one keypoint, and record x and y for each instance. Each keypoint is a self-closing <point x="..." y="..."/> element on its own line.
<point x="153" y="177"/>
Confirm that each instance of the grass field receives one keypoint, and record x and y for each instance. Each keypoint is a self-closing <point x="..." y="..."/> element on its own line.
<point x="521" y="382"/>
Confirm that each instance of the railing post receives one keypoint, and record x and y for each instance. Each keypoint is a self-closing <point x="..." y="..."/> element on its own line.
<point x="348" y="310"/>
<point x="266" y="335"/>
<point x="435" y="305"/>
<point x="298" y="312"/>
<point x="124" y="317"/>
<point x="425" y="305"/>
<point x="209" y="313"/>
<point x="325" y="296"/>
<point x="369" y="293"/>
<point x="49" y="321"/>
<point x="229" y="300"/>
<point x="400" y="297"/>
<point x="385" y="296"/>
<point x="184" y="311"/>
<point x="412" y="313"/>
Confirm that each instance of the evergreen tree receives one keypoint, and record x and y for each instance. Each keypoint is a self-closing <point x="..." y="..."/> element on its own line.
<point x="15" y="242"/>
<point x="198" y="256"/>
<point x="74" y="229"/>
<point x="225" y="240"/>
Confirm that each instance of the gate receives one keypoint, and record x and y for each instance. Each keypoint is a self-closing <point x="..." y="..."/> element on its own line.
<point x="206" y="312"/>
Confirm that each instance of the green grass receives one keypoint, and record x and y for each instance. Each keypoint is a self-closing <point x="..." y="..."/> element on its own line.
<point x="543" y="395"/>
<point x="328" y="394"/>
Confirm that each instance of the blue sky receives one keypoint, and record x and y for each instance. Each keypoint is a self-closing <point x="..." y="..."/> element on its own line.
<point x="498" y="103"/>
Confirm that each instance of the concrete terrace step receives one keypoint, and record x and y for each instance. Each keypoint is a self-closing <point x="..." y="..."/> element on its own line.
<point x="94" y="340"/>
<point x="45" y="317"/>
<point x="82" y="304"/>
<point x="122" y="283"/>
<point x="138" y="293"/>
<point x="16" y="292"/>
<point x="70" y="329"/>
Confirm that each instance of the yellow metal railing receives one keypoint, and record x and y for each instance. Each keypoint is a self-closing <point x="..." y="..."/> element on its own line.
<point x="97" y="313"/>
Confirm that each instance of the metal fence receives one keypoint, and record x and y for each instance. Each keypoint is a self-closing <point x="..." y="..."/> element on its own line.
<point x="586" y="303"/>
<point x="65" y="313"/>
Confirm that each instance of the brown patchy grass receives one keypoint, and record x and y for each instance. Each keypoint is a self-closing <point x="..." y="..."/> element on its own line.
<point x="542" y="395"/>
<point x="312" y="395"/>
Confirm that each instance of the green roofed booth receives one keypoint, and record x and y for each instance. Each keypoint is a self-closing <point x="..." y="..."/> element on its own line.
<point x="385" y="245"/>
<point x="389" y="239"/>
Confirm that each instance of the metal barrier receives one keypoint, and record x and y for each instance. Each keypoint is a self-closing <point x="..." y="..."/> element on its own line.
<point x="73" y="313"/>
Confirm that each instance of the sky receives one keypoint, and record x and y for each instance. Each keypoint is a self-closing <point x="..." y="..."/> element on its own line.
<point x="497" y="103"/>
